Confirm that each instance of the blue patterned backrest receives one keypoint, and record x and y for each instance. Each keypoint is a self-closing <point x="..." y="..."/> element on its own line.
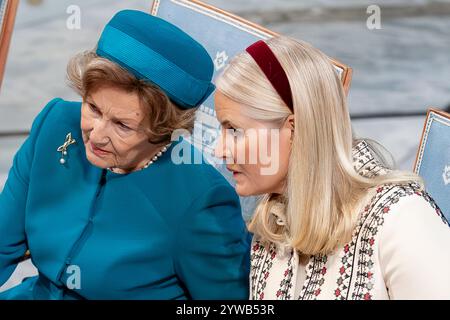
<point x="2" y="11"/>
<point x="433" y="158"/>
<point x="223" y="35"/>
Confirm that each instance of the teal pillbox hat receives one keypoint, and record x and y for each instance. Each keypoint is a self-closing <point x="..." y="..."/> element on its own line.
<point x="156" y="50"/>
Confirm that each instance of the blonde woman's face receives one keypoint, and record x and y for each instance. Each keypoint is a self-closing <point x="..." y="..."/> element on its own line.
<point x="256" y="152"/>
<point x="113" y="129"/>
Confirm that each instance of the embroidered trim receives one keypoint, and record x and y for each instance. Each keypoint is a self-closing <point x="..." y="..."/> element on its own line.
<point x="315" y="277"/>
<point x="372" y="218"/>
<point x="283" y="293"/>
<point x="262" y="261"/>
<point x="433" y="204"/>
<point x="365" y="163"/>
<point x="364" y="270"/>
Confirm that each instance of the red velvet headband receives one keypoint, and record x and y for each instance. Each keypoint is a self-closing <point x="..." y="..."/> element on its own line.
<point x="273" y="70"/>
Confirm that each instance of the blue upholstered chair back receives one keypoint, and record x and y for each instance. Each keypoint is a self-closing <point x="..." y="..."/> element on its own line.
<point x="433" y="158"/>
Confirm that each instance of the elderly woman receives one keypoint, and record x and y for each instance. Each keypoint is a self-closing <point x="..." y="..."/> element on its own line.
<point x="102" y="207"/>
<point x="334" y="222"/>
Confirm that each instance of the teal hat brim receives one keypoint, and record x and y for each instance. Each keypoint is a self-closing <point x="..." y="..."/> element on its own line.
<point x="144" y="63"/>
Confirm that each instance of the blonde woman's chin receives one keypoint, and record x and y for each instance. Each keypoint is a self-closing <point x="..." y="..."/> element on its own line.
<point x="242" y="191"/>
<point x="243" y="187"/>
<point x="246" y="188"/>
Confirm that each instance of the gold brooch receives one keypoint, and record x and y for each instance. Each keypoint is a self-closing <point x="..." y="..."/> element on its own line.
<point x="63" y="148"/>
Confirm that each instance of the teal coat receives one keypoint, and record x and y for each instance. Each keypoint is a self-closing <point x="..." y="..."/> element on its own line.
<point x="166" y="232"/>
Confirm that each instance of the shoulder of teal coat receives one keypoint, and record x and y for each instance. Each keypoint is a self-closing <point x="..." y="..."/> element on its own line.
<point x="42" y="116"/>
<point x="209" y="174"/>
<point x="42" y="119"/>
<point x="57" y="115"/>
<point x="197" y="178"/>
<point x="211" y="248"/>
<point x="175" y="189"/>
<point x="64" y="113"/>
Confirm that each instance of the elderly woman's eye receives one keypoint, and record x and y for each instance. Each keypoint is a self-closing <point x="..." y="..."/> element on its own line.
<point x="93" y="108"/>
<point x="123" y="126"/>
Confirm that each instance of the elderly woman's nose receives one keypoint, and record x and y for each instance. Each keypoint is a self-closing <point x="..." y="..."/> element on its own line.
<point x="99" y="133"/>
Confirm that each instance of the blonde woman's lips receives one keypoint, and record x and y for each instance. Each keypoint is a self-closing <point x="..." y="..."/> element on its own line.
<point x="235" y="173"/>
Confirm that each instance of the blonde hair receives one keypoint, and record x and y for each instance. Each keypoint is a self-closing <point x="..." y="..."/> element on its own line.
<point x="87" y="72"/>
<point x="317" y="209"/>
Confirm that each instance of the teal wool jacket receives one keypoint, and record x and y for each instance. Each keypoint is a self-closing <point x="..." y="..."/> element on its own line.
<point x="166" y="232"/>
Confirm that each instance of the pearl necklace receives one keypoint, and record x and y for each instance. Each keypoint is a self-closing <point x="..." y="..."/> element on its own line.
<point x="156" y="157"/>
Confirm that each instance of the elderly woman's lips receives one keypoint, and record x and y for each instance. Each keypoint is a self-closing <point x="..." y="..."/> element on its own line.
<point x="98" y="151"/>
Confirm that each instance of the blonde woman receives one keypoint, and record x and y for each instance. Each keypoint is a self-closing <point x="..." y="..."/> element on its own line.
<point x="334" y="222"/>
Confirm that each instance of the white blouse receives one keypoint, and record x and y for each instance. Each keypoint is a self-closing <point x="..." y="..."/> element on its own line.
<point x="400" y="249"/>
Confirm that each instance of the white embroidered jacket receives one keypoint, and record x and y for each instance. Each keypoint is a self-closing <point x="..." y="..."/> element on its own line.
<point x="400" y="249"/>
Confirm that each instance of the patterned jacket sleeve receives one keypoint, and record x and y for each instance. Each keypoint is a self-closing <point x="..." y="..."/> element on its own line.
<point x="212" y="251"/>
<point x="415" y="250"/>
<point x="13" y="201"/>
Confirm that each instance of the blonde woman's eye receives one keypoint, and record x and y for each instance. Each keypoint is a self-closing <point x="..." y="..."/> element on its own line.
<point x="232" y="132"/>
<point x="237" y="133"/>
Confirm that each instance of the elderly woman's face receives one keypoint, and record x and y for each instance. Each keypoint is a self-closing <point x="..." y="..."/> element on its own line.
<point x="113" y="128"/>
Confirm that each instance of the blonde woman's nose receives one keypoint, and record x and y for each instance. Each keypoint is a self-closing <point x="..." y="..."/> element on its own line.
<point x="218" y="150"/>
<point x="221" y="150"/>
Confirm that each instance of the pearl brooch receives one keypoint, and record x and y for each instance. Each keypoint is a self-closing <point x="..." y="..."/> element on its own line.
<point x="63" y="148"/>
